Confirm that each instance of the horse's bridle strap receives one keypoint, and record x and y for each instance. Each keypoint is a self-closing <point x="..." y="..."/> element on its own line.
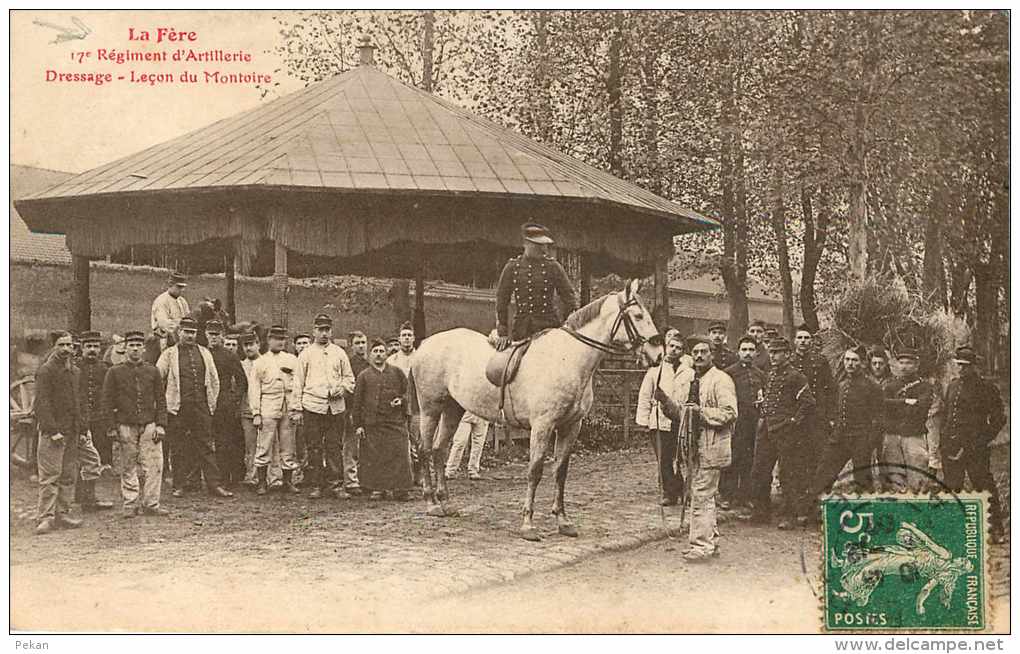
<point x="634" y="339"/>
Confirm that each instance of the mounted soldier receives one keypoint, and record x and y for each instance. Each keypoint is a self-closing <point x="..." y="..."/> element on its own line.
<point x="530" y="279"/>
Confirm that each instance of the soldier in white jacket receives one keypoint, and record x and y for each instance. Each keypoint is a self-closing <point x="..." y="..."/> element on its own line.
<point x="710" y="402"/>
<point x="668" y="375"/>
<point x="270" y="385"/>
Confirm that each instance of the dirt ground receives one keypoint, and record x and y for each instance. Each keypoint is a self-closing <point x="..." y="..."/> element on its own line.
<point x="288" y="564"/>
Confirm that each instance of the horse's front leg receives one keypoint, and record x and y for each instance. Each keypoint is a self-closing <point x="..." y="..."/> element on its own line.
<point x="540" y="435"/>
<point x="565" y="437"/>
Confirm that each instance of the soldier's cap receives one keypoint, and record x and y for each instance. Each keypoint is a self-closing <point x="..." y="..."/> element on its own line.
<point x="277" y="331"/>
<point x="757" y="323"/>
<point x="771" y="333"/>
<point x="965" y="354"/>
<point x="248" y="338"/>
<point x="778" y="344"/>
<point x="187" y="322"/>
<point x="322" y="320"/>
<point x="180" y="279"/>
<point x="134" y="336"/>
<point x="232" y="334"/>
<point x="392" y="339"/>
<point x="376" y="342"/>
<point x="717" y="325"/>
<point x="301" y="335"/>
<point x="91" y="337"/>
<point x="907" y="353"/>
<point x="536" y="233"/>
<point x="214" y="327"/>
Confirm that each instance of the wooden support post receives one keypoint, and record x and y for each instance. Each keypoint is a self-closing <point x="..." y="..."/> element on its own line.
<point x="627" y="390"/>
<point x="419" y="305"/>
<point x="660" y="313"/>
<point x="229" y="269"/>
<point x="585" y="275"/>
<point x="81" y="303"/>
<point x="281" y="286"/>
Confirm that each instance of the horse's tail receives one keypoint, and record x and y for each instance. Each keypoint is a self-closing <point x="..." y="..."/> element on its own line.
<point x="412" y="391"/>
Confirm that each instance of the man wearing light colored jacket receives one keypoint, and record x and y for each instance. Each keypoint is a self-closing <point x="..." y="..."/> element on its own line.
<point x="192" y="389"/>
<point x="709" y="401"/>
<point x="650" y="415"/>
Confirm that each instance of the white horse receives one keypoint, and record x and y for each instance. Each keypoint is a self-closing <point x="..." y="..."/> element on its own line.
<point x="551" y="393"/>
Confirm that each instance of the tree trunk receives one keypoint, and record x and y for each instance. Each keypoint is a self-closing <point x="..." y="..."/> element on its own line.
<point x="614" y="91"/>
<point x="932" y="281"/>
<point x="400" y="294"/>
<point x="281" y="285"/>
<point x="778" y="220"/>
<point x="427" y="45"/>
<point x="229" y="272"/>
<point x="816" y="231"/>
<point x="986" y="321"/>
<point x="733" y="266"/>
<point x="650" y="100"/>
<point x="542" y="112"/>
<point x="858" y="232"/>
<point x="81" y="302"/>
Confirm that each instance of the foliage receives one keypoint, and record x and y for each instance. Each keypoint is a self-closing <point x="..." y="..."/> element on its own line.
<point x="881" y="311"/>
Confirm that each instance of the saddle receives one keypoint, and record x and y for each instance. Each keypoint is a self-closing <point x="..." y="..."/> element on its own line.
<point x="503" y="366"/>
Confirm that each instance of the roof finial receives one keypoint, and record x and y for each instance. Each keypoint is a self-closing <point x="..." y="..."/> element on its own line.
<point x="366" y="52"/>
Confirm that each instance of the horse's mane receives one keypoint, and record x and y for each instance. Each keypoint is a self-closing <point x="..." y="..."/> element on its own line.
<point x="587" y="313"/>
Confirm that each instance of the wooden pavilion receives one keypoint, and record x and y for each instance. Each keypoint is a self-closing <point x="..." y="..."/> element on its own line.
<point x="358" y="174"/>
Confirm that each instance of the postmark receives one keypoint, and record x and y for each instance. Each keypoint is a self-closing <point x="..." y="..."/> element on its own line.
<point x="905" y="563"/>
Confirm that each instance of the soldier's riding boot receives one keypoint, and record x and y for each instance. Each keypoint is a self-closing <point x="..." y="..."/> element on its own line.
<point x="263" y="486"/>
<point x="288" y="484"/>
<point x="88" y="498"/>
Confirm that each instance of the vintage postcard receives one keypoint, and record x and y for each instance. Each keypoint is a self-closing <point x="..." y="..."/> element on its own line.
<point x="510" y="321"/>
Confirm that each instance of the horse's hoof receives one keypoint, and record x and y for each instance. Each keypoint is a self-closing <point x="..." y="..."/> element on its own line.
<point x="436" y="511"/>
<point x="568" y="530"/>
<point x="530" y="533"/>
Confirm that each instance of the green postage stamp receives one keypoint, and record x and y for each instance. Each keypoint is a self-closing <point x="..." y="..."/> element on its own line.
<point x="909" y="563"/>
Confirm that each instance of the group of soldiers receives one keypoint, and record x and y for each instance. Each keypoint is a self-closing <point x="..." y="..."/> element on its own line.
<point x="234" y="411"/>
<point x="792" y="410"/>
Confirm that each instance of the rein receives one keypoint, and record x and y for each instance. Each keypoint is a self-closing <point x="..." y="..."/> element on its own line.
<point x="634" y="339"/>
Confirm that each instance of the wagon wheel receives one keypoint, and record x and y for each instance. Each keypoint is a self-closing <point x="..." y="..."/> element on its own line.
<point x="22" y="420"/>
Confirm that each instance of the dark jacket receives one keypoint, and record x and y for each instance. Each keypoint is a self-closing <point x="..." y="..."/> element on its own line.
<point x="94" y="412"/>
<point x="723" y="357"/>
<point x="901" y="418"/>
<point x="973" y="413"/>
<point x="816" y="370"/>
<point x="373" y="392"/>
<point x="859" y="404"/>
<point x="532" y="282"/>
<point x="750" y="383"/>
<point x="788" y="397"/>
<point x="233" y="382"/>
<point x="56" y="399"/>
<point x="134" y="393"/>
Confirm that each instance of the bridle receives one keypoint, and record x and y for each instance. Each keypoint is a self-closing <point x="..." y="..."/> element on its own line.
<point x="623" y="319"/>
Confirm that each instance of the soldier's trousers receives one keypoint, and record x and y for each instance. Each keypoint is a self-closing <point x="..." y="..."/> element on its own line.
<point x="193" y="448"/>
<point x="276" y="435"/>
<point x="351" y="454"/>
<point x="735" y="482"/>
<point x="856" y="446"/>
<point x="139" y="450"/>
<point x="976" y="463"/>
<point x="664" y="444"/>
<point x="903" y="462"/>
<point x="323" y="436"/>
<point x="229" y="446"/>
<point x="59" y="465"/>
<point x="787" y="446"/>
<point x="251" y="438"/>
<point x="102" y="442"/>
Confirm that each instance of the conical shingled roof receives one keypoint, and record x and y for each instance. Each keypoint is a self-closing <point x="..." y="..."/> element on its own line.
<point x="364" y="131"/>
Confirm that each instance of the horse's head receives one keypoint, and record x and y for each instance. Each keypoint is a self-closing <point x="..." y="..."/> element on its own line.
<point x="636" y="329"/>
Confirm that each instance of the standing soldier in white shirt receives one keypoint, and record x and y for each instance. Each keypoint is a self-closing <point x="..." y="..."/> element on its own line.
<point x="321" y="380"/>
<point x="272" y="379"/>
<point x="170" y="306"/>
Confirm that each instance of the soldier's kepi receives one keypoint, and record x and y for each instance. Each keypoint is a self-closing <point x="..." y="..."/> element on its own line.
<point x="531" y="280"/>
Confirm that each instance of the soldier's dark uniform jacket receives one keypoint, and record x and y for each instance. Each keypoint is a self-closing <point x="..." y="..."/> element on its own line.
<point x="816" y="370"/>
<point x="723" y="357"/>
<point x="973" y="414"/>
<point x="859" y="404"/>
<point x="95" y="414"/>
<point x="533" y="283"/>
<point x="56" y="402"/>
<point x="901" y="418"/>
<point x="233" y="382"/>
<point x="788" y="397"/>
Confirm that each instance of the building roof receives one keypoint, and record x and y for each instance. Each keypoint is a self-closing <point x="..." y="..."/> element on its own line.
<point x="25" y="245"/>
<point x="713" y="285"/>
<point x="368" y="173"/>
<point x="364" y="130"/>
